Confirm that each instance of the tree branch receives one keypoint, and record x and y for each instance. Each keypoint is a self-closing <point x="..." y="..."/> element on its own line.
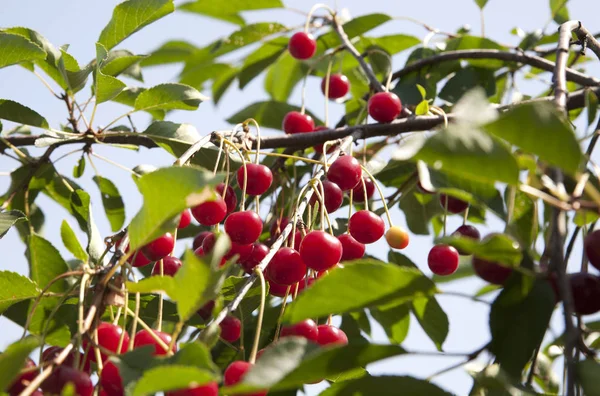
<point x="588" y="40"/>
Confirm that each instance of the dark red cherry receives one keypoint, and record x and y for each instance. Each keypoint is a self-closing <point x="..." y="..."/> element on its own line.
<point x="278" y="225"/>
<point x="331" y="335"/>
<point x="443" y="260"/>
<point x="467" y="231"/>
<point x="320" y="250"/>
<point x="243" y="227"/>
<point x="259" y="252"/>
<point x="170" y="266"/>
<point x="111" y="380"/>
<point x="296" y="122"/>
<point x="109" y="336"/>
<point x="198" y="239"/>
<point x="235" y="373"/>
<point x="143" y="337"/>
<point x="63" y="375"/>
<point x="455" y="205"/>
<point x="286" y="267"/>
<point x="51" y="353"/>
<point x="333" y="196"/>
<point x="585" y="289"/>
<point x="366" y="227"/>
<point x="210" y="389"/>
<point x="277" y="290"/>
<point x="230" y="198"/>
<point x="231" y="328"/>
<point x="339" y="85"/>
<point x="185" y="219"/>
<point x="345" y="172"/>
<point x="242" y="252"/>
<point x="358" y="192"/>
<point x="210" y="213"/>
<point x="259" y="178"/>
<point x="302" y="45"/>
<point x="351" y="248"/>
<point x="21" y="382"/>
<point x="491" y="271"/>
<point x="137" y="259"/>
<point x="592" y="248"/>
<point x="206" y="310"/>
<point x="384" y="106"/>
<point x="307" y="329"/>
<point x="209" y="242"/>
<point x="160" y="247"/>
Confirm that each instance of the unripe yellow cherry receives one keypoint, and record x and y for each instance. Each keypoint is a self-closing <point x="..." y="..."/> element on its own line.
<point x="397" y="237"/>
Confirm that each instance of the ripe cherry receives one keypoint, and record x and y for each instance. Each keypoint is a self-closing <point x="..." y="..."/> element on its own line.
<point x="109" y="336"/>
<point x="302" y="45"/>
<point x="296" y="122"/>
<point x="231" y="328"/>
<point x="467" y="231"/>
<point x="259" y="252"/>
<point x="206" y="310"/>
<point x="209" y="242"/>
<point x="170" y="266"/>
<point x="397" y="237"/>
<point x="242" y="252"/>
<point x="277" y="290"/>
<point x="307" y="329"/>
<point x="209" y="389"/>
<point x="443" y="260"/>
<point x="198" y="239"/>
<point x="286" y="267"/>
<point x="230" y="198"/>
<point x="51" y="353"/>
<point x="592" y="248"/>
<point x="143" y="337"/>
<point x="345" y="172"/>
<point x="384" y="106"/>
<point x="243" y="227"/>
<point x="259" y="178"/>
<point x="111" y="380"/>
<point x="351" y="248"/>
<point x="366" y="227"/>
<point x="491" y="271"/>
<point x="339" y="85"/>
<point x="137" y="259"/>
<point x="358" y="192"/>
<point x="21" y="382"/>
<point x="455" y="205"/>
<point x="210" y="213"/>
<point x="320" y="250"/>
<point x="585" y="289"/>
<point x="331" y="335"/>
<point x="235" y="373"/>
<point x="333" y="196"/>
<point x="63" y="375"/>
<point x="160" y="247"/>
<point x="185" y="219"/>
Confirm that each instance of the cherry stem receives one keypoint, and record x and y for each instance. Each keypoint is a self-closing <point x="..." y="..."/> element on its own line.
<point x="327" y="77"/>
<point x="281" y="312"/>
<point x="296" y="157"/>
<point x="151" y="332"/>
<point x="261" y="311"/>
<point x="176" y="332"/>
<point x="385" y="207"/>
<point x="230" y="144"/>
<point x="510" y="206"/>
<point x="312" y="11"/>
<point x="440" y="112"/>
<point x="321" y="199"/>
<point x="350" y="211"/>
<point x="160" y="299"/>
<point x="364" y="186"/>
<point x="218" y="157"/>
<point x="257" y="137"/>
<point x="445" y="213"/>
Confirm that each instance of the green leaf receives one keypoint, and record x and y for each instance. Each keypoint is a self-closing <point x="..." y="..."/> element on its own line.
<point x="13" y="111"/>
<point x="221" y="83"/>
<point x="130" y="16"/>
<point x="187" y="187"/>
<point x="16" y="49"/>
<point x="112" y="202"/>
<point x="198" y="75"/>
<point x="46" y="263"/>
<point x="128" y="97"/>
<point x="13" y="359"/>
<point x="228" y="11"/>
<point x="422" y="108"/>
<point x="106" y="87"/>
<point x="587" y="374"/>
<point x="81" y="206"/>
<point x="584" y="217"/>
<point x="9" y="219"/>
<point x="419" y="210"/>
<point x="591" y="104"/>
<point x="394" y="43"/>
<point x="481" y="3"/>
<point x="283" y="76"/>
<point x="432" y="318"/>
<point x="15" y="288"/>
<point x="476" y="42"/>
<point x="378" y="282"/>
<point x="71" y="243"/>
<point x="119" y="61"/>
<point x="524" y="223"/>
<point x="384" y="386"/>
<point x="495" y="247"/>
<point x="172" y="377"/>
<point x="262" y="58"/>
<point x="394" y="319"/>
<point x="170" y="52"/>
<point x="355" y="27"/>
<point x="559" y="11"/>
<point x="543" y="123"/>
<point x="465" y="80"/>
<point x="268" y="114"/>
<point x="79" y="168"/>
<point x="169" y="96"/>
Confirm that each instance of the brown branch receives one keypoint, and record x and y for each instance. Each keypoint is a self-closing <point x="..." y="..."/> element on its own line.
<point x="588" y="40"/>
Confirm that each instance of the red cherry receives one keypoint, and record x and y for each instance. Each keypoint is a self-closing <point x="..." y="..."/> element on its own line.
<point x="160" y="247"/>
<point x="339" y="85"/>
<point x="21" y="382"/>
<point x="307" y="329"/>
<point x="210" y="213"/>
<point x="333" y="196"/>
<point x="351" y="248"/>
<point x="230" y="198"/>
<point x="243" y="227"/>
<point x="235" y="373"/>
<point x="277" y="290"/>
<point x="467" y="231"/>
<point x="64" y="375"/>
<point x="302" y="45"/>
<point x="366" y="227"/>
<point x="585" y="289"/>
<point x="206" y="310"/>
<point x="231" y="328"/>
<point x="345" y="172"/>
<point x="491" y="271"/>
<point x="210" y="389"/>
<point x="209" y="242"/>
<point x="455" y="205"/>
<point x="143" y="337"/>
<point x="278" y="226"/>
<point x="51" y="353"/>
<point x="259" y="252"/>
<point x="259" y="178"/>
<point x="286" y="267"/>
<point x="358" y="192"/>
<point x="137" y="259"/>
<point x="185" y="219"/>
<point x="443" y="260"/>
<point x="170" y="266"/>
<point x="592" y="248"/>
<point x="384" y="106"/>
<point x="198" y="239"/>
<point x="109" y="336"/>
<point x="296" y="122"/>
<point x="111" y="380"/>
<point x="320" y="250"/>
<point x="243" y="252"/>
<point x="331" y="335"/>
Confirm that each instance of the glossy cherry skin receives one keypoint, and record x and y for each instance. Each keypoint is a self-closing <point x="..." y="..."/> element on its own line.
<point x="286" y="267"/>
<point x="21" y="382"/>
<point x="160" y="247"/>
<point x="455" y="205"/>
<point x="358" y="192"/>
<point x="138" y="259"/>
<point x="277" y="290"/>
<point x="259" y="252"/>
<point x="185" y="219"/>
<point x="210" y="213"/>
<point x="397" y="237"/>
<point x="231" y="328"/>
<point x="592" y="248"/>
<point x="210" y="389"/>
<point x="209" y="242"/>
<point x="64" y="375"/>
<point x="243" y="227"/>
<point x="366" y="227"/>
<point x="331" y="335"/>
<point x="320" y="250"/>
<point x="206" y="310"/>
<point x="585" y="289"/>
<point x="334" y="196"/>
<point x="170" y="266"/>
<point x="51" y="353"/>
<point x="235" y="373"/>
<point x="198" y="239"/>
<point x="307" y="329"/>
<point x="351" y="248"/>
<point x="111" y="380"/>
<point x="143" y="337"/>
<point x="296" y="122"/>
<point x="243" y="252"/>
<point x="345" y="172"/>
<point x="443" y="260"/>
<point x="230" y="198"/>
<point x="467" y="231"/>
<point x="384" y="106"/>
<point x="259" y="178"/>
<point x="109" y="336"/>
<point x="490" y="271"/>
<point x="302" y="45"/>
<point x="200" y="253"/>
<point x="339" y="85"/>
